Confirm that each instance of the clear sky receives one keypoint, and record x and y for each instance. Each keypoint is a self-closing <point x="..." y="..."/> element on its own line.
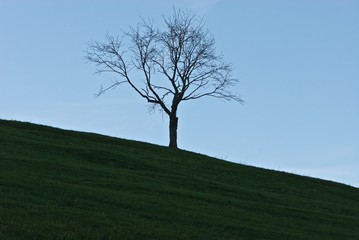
<point x="297" y="62"/>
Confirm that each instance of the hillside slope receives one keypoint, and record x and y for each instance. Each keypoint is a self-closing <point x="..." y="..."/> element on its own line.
<point x="57" y="184"/>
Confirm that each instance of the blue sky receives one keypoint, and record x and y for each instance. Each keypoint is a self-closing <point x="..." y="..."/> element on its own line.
<point x="297" y="63"/>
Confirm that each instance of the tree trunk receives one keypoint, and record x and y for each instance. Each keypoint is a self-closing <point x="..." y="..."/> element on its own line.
<point x="173" y="131"/>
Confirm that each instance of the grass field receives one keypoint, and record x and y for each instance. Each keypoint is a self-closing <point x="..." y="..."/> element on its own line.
<point x="57" y="184"/>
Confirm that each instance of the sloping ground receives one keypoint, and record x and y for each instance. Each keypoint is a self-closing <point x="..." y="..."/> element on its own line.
<point x="57" y="184"/>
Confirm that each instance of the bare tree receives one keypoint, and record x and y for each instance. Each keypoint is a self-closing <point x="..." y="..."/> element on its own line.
<point x="177" y="63"/>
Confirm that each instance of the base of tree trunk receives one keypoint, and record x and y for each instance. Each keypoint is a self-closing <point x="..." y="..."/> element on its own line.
<point x="173" y="131"/>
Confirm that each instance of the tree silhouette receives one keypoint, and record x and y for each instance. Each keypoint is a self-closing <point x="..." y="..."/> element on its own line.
<point x="177" y="63"/>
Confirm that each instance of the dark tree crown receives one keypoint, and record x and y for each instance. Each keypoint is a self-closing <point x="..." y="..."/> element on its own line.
<point x="178" y="62"/>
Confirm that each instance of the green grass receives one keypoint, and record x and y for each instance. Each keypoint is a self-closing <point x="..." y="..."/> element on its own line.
<point x="57" y="184"/>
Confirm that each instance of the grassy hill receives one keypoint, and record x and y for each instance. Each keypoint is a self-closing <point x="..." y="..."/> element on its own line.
<point x="57" y="184"/>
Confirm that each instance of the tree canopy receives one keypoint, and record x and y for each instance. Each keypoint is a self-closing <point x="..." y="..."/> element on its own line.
<point x="177" y="62"/>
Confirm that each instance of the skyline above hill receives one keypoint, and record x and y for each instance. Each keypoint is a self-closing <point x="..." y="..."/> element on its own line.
<point x="297" y="62"/>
